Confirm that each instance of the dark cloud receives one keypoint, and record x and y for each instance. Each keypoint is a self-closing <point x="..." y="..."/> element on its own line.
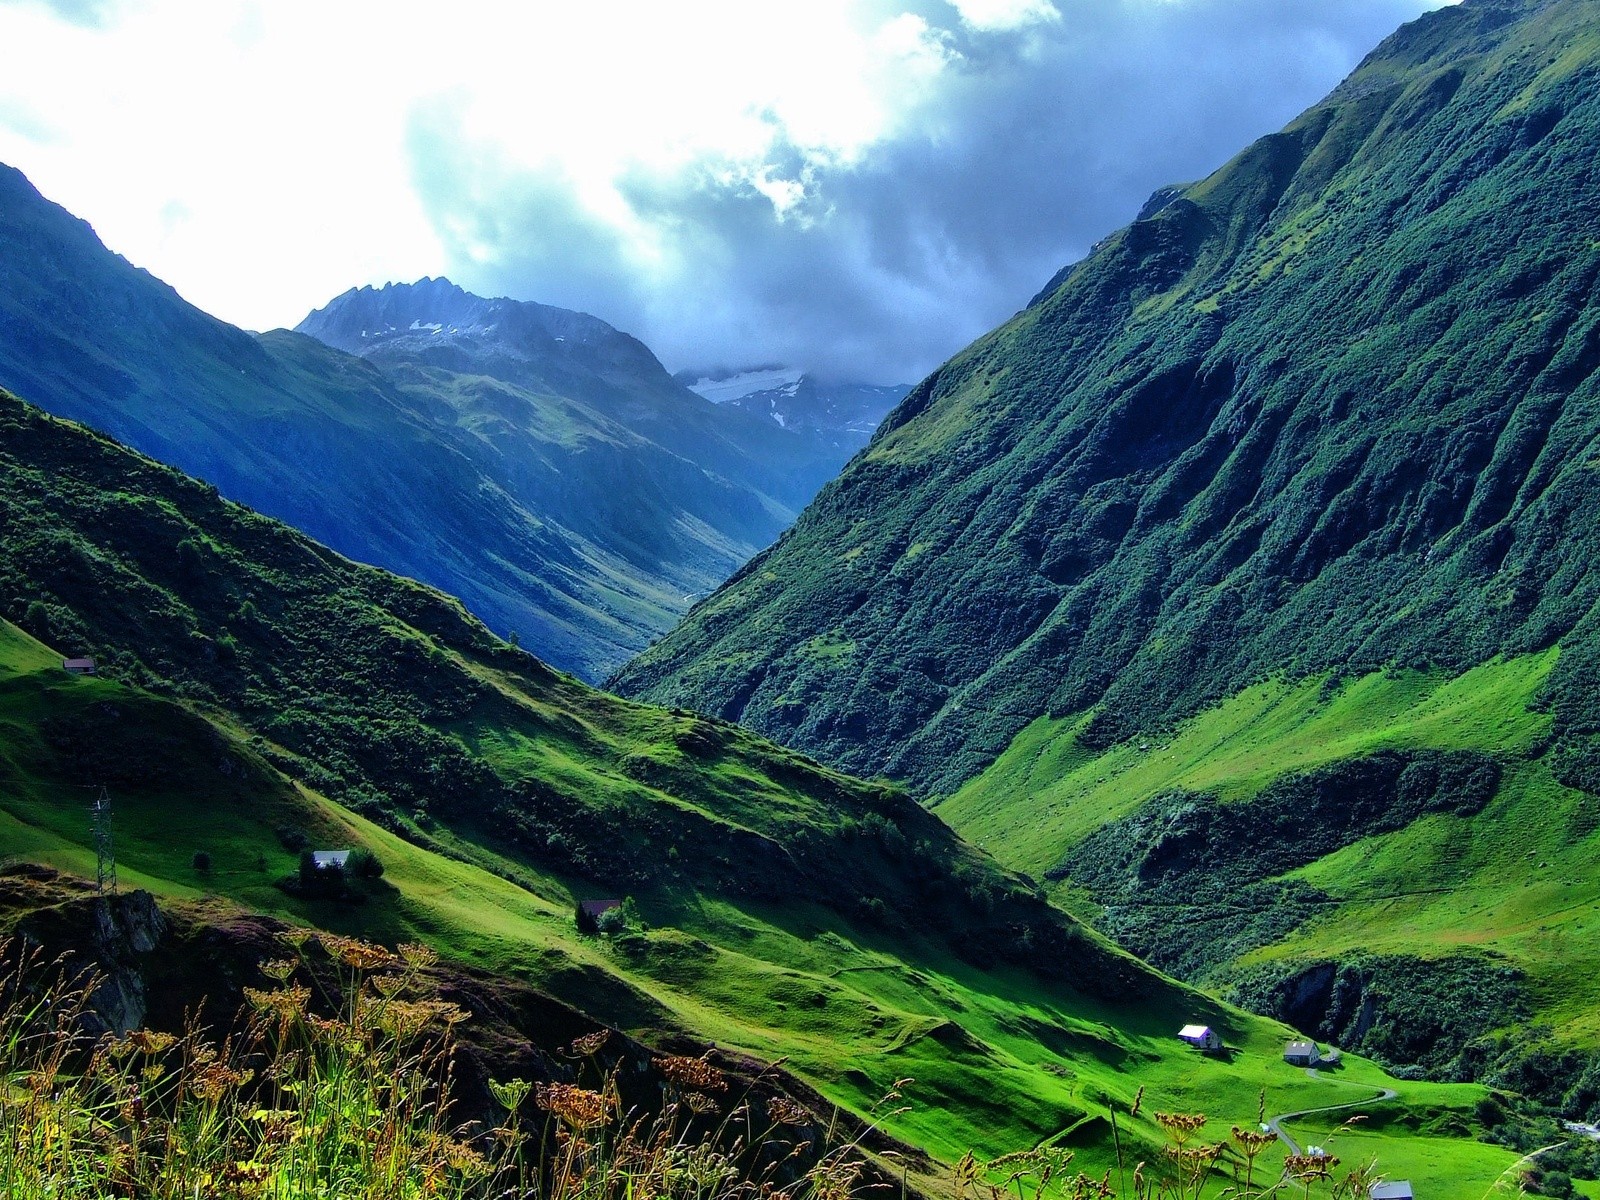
<point x="1036" y="144"/>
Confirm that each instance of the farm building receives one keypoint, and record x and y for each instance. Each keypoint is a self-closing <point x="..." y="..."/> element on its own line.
<point x="1302" y="1054"/>
<point x="1397" y="1189"/>
<point x="78" y="666"/>
<point x="1202" y="1037"/>
<point x="323" y="859"/>
<point x="594" y="908"/>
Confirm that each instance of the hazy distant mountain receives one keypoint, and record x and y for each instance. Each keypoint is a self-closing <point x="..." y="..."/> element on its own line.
<point x="535" y="462"/>
<point x="843" y="413"/>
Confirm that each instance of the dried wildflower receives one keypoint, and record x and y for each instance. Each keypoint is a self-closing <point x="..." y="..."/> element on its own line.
<point x="1196" y="1157"/>
<point x="279" y="969"/>
<point x="354" y="953"/>
<point x="701" y="1104"/>
<point x="282" y="1002"/>
<point x="215" y="1081"/>
<point x="1180" y="1127"/>
<point x="578" y="1107"/>
<point x="277" y="1124"/>
<point x="783" y="1111"/>
<point x="1251" y="1141"/>
<point x="417" y="956"/>
<point x="1138" y="1099"/>
<point x="388" y="985"/>
<point x="147" y="1041"/>
<point x="1308" y="1167"/>
<point x="589" y="1044"/>
<point x="966" y="1172"/>
<point x="510" y="1095"/>
<point x="693" y="1073"/>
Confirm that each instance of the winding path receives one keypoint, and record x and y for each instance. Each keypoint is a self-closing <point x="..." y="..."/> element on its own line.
<point x="1275" y="1124"/>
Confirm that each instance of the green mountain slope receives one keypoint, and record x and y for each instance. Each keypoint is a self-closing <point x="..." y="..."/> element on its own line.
<point x="1243" y="583"/>
<point x="259" y="690"/>
<point x="580" y="503"/>
<point x="1330" y="408"/>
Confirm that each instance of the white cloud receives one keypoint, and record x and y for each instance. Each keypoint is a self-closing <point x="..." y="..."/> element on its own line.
<point x="992" y="15"/>
<point x="712" y="161"/>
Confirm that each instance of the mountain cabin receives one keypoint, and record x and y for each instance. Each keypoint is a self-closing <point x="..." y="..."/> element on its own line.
<point x="323" y="859"/>
<point x="78" y="666"/>
<point x="1201" y="1037"/>
<point x="1302" y="1054"/>
<point x="1397" y="1189"/>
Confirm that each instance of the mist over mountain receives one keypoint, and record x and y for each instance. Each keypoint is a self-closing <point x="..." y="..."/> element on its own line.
<point x="1344" y="378"/>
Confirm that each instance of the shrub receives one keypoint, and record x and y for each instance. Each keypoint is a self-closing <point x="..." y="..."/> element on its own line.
<point x="364" y="864"/>
<point x="201" y="862"/>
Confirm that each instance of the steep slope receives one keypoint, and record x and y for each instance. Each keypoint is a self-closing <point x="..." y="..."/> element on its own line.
<point x="582" y="508"/>
<point x="1243" y="584"/>
<point x="1330" y="408"/>
<point x="251" y="676"/>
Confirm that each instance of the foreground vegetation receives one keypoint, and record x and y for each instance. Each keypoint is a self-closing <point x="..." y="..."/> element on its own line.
<point x="340" y="1084"/>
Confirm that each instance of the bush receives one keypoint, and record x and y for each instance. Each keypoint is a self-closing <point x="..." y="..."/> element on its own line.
<point x="364" y="864"/>
<point x="201" y="862"/>
<point x="292" y="838"/>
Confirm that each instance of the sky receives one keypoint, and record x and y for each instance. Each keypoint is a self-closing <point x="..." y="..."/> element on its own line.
<point x="855" y="187"/>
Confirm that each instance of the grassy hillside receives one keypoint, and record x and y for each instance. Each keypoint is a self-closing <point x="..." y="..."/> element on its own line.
<point x="1452" y="933"/>
<point x="1000" y="1058"/>
<point x="254" y="681"/>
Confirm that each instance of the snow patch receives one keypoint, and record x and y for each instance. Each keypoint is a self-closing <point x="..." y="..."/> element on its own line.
<point x="735" y="387"/>
<point x="419" y="325"/>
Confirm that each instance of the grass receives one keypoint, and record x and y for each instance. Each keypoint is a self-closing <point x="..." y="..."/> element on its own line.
<point x="359" y="1102"/>
<point x="1001" y="1061"/>
<point x="1513" y="884"/>
<point x="342" y="1086"/>
<point x="1046" y="791"/>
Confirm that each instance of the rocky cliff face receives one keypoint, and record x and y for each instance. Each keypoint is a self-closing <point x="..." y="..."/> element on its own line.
<point x="105" y="940"/>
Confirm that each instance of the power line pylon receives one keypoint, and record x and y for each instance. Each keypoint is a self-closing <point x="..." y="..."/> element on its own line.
<point x="105" y="854"/>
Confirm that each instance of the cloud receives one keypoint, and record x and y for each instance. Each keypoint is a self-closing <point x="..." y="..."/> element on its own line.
<point x="1005" y="138"/>
<point x="856" y="186"/>
<point x="94" y="13"/>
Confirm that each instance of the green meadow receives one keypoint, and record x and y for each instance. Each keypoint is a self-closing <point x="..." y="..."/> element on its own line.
<point x="1000" y="1059"/>
<point x="1513" y="882"/>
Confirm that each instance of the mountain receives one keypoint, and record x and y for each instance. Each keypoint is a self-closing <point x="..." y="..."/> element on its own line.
<point x="569" y="370"/>
<point x="550" y="473"/>
<point x="843" y="413"/>
<point x="258" y="694"/>
<point x="1256" y="553"/>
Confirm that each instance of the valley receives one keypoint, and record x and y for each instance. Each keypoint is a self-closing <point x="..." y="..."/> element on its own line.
<point x="1018" y="1025"/>
<point x="1214" y="643"/>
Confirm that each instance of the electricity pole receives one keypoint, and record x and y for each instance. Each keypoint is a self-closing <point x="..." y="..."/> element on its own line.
<point x="105" y="856"/>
